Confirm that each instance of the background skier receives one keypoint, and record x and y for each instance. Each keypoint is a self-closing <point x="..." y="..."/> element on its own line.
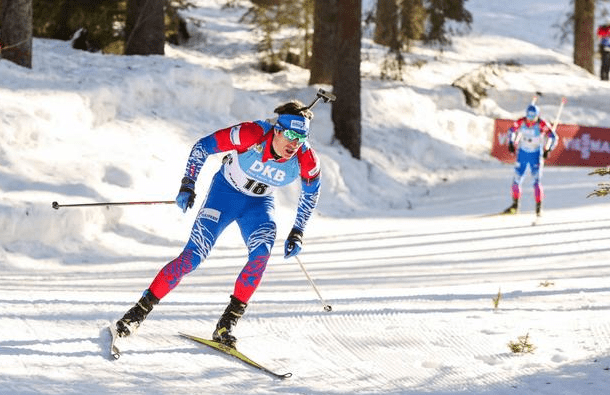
<point x="262" y="156"/>
<point x="533" y="138"/>
<point x="603" y="33"/>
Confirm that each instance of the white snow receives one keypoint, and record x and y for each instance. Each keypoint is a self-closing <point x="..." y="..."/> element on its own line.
<point x="400" y="245"/>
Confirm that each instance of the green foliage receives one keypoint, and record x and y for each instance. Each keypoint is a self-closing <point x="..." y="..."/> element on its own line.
<point x="496" y="300"/>
<point x="175" y="27"/>
<point x="522" y="345"/>
<point x="392" y="66"/>
<point x="294" y="19"/>
<point x="418" y="20"/>
<point x="60" y="19"/>
<point x="603" y="189"/>
<point x="439" y="12"/>
<point x="413" y="18"/>
<point x="103" y="19"/>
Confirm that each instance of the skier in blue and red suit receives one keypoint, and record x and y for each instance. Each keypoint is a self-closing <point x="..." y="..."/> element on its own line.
<point x="261" y="156"/>
<point x="603" y="33"/>
<point x="535" y="139"/>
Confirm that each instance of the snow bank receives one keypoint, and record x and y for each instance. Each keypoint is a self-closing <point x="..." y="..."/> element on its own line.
<point x="105" y="115"/>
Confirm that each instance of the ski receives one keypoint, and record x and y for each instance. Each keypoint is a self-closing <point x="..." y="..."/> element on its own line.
<point x="236" y="354"/>
<point x="500" y="214"/>
<point x="536" y="221"/>
<point x="115" y="353"/>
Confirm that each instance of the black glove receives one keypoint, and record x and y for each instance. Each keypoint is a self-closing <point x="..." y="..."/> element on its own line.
<point x="511" y="147"/>
<point x="293" y="243"/>
<point x="545" y="154"/>
<point x="186" y="195"/>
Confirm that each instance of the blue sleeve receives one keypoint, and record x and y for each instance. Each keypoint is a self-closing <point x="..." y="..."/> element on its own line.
<point x="552" y="136"/>
<point x="310" y="193"/>
<point x="199" y="153"/>
<point x="512" y="134"/>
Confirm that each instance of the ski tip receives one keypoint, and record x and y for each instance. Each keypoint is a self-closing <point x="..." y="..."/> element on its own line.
<point x="285" y="376"/>
<point x="191" y="337"/>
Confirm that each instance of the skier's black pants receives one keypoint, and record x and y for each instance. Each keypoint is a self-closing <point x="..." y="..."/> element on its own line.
<point x="605" y="63"/>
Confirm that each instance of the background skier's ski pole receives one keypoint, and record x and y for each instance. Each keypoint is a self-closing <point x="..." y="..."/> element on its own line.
<point x="563" y="102"/>
<point x="56" y="205"/>
<point x="327" y="307"/>
<point x="547" y="145"/>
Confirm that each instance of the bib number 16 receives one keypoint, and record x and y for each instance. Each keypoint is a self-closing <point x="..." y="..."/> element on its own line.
<point x="257" y="188"/>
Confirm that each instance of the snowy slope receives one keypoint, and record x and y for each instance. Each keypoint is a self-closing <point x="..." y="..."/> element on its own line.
<point x="401" y="244"/>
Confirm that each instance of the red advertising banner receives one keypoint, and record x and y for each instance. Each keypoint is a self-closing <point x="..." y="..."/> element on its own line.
<point x="577" y="145"/>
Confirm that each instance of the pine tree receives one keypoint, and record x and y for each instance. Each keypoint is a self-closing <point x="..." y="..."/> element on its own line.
<point x="272" y="16"/>
<point x="441" y="11"/>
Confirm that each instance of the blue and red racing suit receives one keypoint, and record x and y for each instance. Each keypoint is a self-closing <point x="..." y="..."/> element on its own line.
<point x="242" y="191"/>
<point x="603" y="32"/>
<point x="533" y="138"/>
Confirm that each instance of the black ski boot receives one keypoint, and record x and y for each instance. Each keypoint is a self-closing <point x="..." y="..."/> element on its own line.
<point x="233" y="312"/>
<point x="134" y="316"/>
<point x="538" y="209"/>
<point x="513" y="208"/>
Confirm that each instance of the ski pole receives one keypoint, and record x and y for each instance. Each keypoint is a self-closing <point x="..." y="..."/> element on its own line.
<point x="327" y="307"/>
<point x="563" y="101"/>
<point x="56" y="205"/>
<point x="556" y="123"/>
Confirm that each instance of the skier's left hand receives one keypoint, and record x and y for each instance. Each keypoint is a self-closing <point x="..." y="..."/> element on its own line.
<point x="545" y="154"/>
<point x="186" y="195"/>
<point x="293" y="243"/>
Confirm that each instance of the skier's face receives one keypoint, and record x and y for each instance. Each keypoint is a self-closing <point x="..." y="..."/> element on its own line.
<point x="284" y="146"/>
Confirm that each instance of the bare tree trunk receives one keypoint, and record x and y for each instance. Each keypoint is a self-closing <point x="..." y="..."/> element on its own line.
<point x="346" y="113"/>
<point x="145" y="27"/>
<point x="323" y="48"/>
<point x="386" y="23"/>
<point x="16" y="37"/>
<point x="584" y="28"/>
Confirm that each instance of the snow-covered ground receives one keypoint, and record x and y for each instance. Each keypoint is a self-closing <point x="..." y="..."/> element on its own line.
<point x="401" y="245"/>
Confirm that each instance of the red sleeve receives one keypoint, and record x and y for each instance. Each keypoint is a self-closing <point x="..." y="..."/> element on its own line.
<point x="517" y="124"/>
<point x="239" y="137"/>
<point x="309" y="162"/>
<point x="544" y="126"/>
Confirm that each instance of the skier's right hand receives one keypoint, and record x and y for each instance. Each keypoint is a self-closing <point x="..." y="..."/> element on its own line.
<point x="511" y="147"/>
<point x="186" y="195"/>
<point x="293" y="243"/>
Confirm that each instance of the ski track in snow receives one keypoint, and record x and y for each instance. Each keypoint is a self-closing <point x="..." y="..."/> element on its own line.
<point x="411" y="307"/>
